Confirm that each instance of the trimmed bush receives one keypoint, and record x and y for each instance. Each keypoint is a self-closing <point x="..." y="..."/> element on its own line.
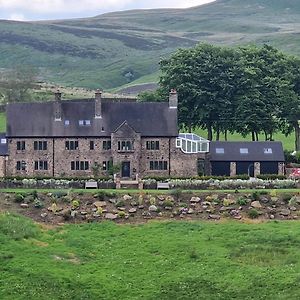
<point x="253" y="213"/>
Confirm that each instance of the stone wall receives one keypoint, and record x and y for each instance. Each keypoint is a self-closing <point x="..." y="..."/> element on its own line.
<point x="3" y="166"/>
<point x="59" y="158"/>
<point x="29" y="156"/>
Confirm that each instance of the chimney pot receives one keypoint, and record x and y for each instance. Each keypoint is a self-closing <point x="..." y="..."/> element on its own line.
<point x="173" y="99"/>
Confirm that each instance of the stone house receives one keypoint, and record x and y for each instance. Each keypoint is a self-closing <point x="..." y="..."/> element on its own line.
<point x="92" y="137"/>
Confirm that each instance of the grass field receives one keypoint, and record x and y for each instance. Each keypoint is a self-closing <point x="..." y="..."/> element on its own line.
<point x="171" y="260"/>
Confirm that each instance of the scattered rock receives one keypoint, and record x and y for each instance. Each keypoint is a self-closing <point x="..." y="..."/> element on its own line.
<point x="264" y="200"/>
<point x="24" y="205"/>
<point x="215" y="217"/>
<point x="161" y="197"/>
<point x="110" y="216"/>
<point x="132" y="210"/>
<point x="256" y="204"/>
<point x="44" y="215"/>
<point x="83" y="213"/>
<point x="133" y="203"/>
<point x="152" y="208"/>
<point x="100" y="204"/>
<point x="293" y="208"/>
<point x="272" y="217"/>
<point x="285" y="212"/>
<point x="190" y="211"/>
<point x="127" y="197"/>
<point x="238" y="217"/>
<point x="122" y="208"/>
<point x="74" y="213"/>
<point x="141" y="206"/>
<point x="195" y="200"/>
<point x="168" y="208"/>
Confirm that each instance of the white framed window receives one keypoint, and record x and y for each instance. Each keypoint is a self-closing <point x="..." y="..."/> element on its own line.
<point x="243" y="150"/>
<point x="192" y="143"/>
<point x="3" y="141"/>
<point x="67" y="122"/>
<point x="220" y="151"/>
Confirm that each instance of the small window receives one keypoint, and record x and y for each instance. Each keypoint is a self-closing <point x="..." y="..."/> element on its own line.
<point x="178" y="143"/>
<point x="152" y="145"/>
<point x="3" y="141"/>
<point x="80" y="165"/>
<point x="20" y="145"/>
<point x="243" y="150"/>
<point x="106" y="145"/>
<point x="40" y="145"/>
<point x="41" y="165"/>
<point x="219" y="150"/>
<point x="88" y="122"/>
<point x="21" y="165"/>
<point x="81" y="123"/>
<point x="268" y="151"/>
<point x="71" y="145"/>
<point x="92" y="145"/>
<point x="67" y="122"/>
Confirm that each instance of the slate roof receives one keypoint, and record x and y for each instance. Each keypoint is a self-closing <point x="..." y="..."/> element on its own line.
<point x="153" y="119"/>
<point x="3" y="146"/>
<point x="257" y="151"/>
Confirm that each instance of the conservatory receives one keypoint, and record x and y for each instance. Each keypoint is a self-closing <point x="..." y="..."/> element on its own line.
<point x="192" y="143"/>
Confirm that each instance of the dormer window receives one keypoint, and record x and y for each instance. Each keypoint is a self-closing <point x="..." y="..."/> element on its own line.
<point x="3" y="141"/>
<point x="67" y="122"/>
<point x="268" y="151"/>
<point x="243" y="150"/>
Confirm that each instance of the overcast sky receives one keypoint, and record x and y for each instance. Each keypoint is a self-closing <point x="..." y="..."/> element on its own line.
<point x="60" y="9"/>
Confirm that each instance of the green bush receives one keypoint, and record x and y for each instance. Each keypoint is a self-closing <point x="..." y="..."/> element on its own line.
<point x="253" y="213"/>
<point x="19" y="198"/>
<point x="75" y="204"/>
<point x="168" y="202"/>
<point x="241" y="201"/>
<point x="286" y="198"/>
<point x="121" y="214"/>
<point x="271" y="176"/>
<point x="59" y="194"/>
<point x="177" y="193"/>
<point x="38" y="203"/>
<point x="255" y="195"/>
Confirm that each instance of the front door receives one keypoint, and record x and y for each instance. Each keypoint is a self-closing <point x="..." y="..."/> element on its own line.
<point x="125" y="169"/>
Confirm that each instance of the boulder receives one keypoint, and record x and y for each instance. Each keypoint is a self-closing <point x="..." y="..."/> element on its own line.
<point x="110" y="216"/>
<point x="24" y="205"/>
<point x="285" y="212"/>
<point x="195" y="200"/>
<point x="190" y="211"/>
<point x="215" y="217"/>
<point x="100" y="204"/>
<point x="44" y="215"/>
<point x="152" y="208"/>
<point x="127" y="197"/>
<point x="132" y="210"/>
<point x="256" y="204"/>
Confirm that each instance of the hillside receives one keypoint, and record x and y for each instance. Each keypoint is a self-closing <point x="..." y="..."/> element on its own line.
<point x="113" y="49"/>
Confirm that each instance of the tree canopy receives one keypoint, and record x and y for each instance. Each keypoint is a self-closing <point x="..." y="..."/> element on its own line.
<point x="248" y="90"/>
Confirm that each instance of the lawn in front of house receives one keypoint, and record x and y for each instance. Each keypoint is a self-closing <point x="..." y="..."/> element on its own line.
<point x="157" y="260"/>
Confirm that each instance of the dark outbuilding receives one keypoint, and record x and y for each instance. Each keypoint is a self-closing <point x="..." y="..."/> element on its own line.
<point x="251" y="158"/>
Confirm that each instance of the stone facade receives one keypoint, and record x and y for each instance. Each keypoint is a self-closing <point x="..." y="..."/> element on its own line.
<point x="92" y="156"/>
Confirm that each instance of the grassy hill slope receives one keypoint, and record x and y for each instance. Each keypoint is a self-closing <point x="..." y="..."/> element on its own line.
<point x="113" y="49"/>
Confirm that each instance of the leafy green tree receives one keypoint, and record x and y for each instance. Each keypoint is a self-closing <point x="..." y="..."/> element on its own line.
<point x="17" y="82"/>
<point x="205" y="77"/>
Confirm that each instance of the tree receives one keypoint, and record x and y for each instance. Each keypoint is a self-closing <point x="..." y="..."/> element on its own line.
<point x="16" y="83"/>
<point x="206" y="78"/>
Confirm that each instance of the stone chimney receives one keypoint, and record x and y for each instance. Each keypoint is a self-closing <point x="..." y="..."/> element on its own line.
<point x="173" y="99"/>
<point x="98" y="105"/>
<point x="57" y="106"/>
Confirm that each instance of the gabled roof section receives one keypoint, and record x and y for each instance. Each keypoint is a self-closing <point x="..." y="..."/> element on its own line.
<point x="246" y="151"/>
<point x="37" y="119"/>
<point x="3" y="144"/>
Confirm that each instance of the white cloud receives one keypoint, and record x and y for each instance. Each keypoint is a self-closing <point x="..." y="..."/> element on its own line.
<point x="77" y="6"/>
<point x="17" y="17"/>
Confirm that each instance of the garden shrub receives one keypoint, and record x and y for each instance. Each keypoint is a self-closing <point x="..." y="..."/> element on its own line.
<point x="121" y="214"/>
<point x="38" y="203"/>
<point x="253" y="213"/>
<point x="286" y="198"/>
<point x="152" y="201"/>
<point x="168" y="203"/>
<point x="242" y="201"/>
<point x="177" y="193"/>
<point x="255" y="195"/>
<point x="19" y="198"/>
<point x="75" y="204"/>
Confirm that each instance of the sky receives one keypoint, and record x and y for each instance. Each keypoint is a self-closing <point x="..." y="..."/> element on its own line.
<point x="29" y="10"/>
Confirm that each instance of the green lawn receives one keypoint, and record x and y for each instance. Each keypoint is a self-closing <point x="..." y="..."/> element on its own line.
<point x="166" y="260"/>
